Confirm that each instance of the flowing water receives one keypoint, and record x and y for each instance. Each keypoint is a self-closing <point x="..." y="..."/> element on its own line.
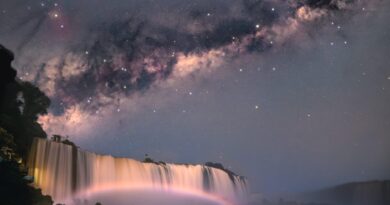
<point x="66" y="172"/>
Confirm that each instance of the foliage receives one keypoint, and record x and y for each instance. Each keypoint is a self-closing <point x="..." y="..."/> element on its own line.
<point x="7" y="145"/>
<point x="221" y="167"/>
<point x="148" y="160"/>
<point x="19" y="117"/>
<point x="64" y="140"/>
<point x="284" y="202"/>
<point x="14" y="189"/>
<point x="20" y="105"/>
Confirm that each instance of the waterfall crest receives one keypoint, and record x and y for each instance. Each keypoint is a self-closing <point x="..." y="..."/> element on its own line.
<point x="63" y="171"/>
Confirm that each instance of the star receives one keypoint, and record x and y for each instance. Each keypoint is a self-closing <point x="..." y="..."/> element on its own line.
<point x="257" y="107"/>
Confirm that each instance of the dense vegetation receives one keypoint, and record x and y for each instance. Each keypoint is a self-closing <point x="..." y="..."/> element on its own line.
<point x="14" y="188"/>
<point x="20" y="105"/>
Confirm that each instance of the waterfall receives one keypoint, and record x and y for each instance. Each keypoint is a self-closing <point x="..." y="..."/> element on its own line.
<point x="63" y="171"/>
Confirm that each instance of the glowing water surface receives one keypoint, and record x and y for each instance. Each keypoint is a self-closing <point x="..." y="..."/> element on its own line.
<point x="143" y="197"/>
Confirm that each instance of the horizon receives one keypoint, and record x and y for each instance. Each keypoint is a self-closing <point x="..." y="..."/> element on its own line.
<point x="293" y="95"/>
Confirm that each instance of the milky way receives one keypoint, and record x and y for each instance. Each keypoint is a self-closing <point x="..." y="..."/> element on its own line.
<point x="118" y="58"/>
<point x="99" y="59"/>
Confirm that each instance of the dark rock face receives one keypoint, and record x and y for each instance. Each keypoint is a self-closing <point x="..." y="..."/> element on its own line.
<point x="357" y="193"/>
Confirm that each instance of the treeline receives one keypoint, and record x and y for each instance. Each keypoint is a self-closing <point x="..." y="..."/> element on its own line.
<point x="21" y="103"/>
<point x="288" y="202"/>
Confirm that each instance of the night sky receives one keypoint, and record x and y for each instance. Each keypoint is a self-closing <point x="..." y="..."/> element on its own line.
<point x="293" y="94"/>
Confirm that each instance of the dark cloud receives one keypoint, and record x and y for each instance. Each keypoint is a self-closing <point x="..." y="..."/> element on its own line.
<point x="128" y="55"/>
<point x="323" y="3"/>
<point x="261" y="11"/>
<point x="276" y="116"/>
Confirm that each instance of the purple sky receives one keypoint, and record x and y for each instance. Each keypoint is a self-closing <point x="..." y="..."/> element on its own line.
<point x="292" y="94"/>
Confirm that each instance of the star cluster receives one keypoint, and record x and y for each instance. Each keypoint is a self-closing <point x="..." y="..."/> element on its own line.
<point x="261" y="77"/>
<point x="130" y="55"/>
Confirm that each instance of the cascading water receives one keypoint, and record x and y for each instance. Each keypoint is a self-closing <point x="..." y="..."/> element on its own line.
<point x="64" y="171"/>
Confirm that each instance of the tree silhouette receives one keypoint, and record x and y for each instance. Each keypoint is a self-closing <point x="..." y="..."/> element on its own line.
<point x="20" y="105"/>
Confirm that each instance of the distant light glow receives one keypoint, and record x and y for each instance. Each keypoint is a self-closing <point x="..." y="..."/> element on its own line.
<point x="143" y="187"/>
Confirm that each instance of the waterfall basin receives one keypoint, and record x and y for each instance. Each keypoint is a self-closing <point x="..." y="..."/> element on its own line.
<point x="129" y="196"/>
